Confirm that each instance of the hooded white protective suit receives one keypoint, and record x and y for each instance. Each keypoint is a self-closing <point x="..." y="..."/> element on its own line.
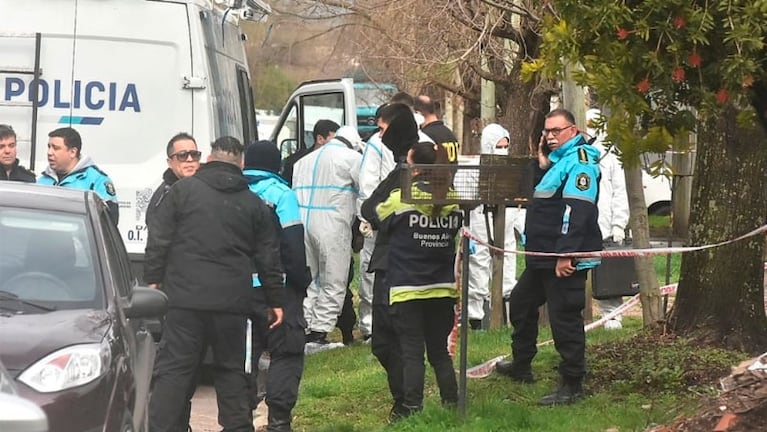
<point x="326" y="182"/>
<point x="480" y="261"/>
<point x="613" y="203"/>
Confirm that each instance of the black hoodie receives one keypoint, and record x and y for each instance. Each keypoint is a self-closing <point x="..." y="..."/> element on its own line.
<point x="210" y="235"/>
<point x="401" y="134"/>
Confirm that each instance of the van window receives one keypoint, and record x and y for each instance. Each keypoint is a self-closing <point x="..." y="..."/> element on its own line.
<point x="249" y="130"/>
<point x="327" y="106"/>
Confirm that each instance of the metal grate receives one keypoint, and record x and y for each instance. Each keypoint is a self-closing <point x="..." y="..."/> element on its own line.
<point x="499" y="180"/>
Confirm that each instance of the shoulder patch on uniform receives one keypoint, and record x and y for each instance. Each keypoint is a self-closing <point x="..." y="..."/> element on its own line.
<point x="582" y="181"/>
<point x="583" y="157"/>
<point x="110" y="187"/>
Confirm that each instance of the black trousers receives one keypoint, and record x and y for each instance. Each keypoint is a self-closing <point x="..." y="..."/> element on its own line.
<point x="385" y="343"/>
<point x="186" y="335"/>
<point x="566" y="299"/>
<point x="425" y="323"/>
<point x="285" y="344"/>
<point x="348" y="318"/>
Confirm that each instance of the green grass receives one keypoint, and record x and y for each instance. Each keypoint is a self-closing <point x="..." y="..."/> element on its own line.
<point x="655" y="221"/>
<point x="345" y="390"/>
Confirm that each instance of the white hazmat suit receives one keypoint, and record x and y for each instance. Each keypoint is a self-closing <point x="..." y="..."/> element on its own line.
<point x="481" y="262"/>
<point x="326" y="182"/>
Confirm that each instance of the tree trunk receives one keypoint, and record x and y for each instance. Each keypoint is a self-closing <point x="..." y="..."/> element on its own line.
<point x="720" y="296"/>
<point x="649" y="293"/>
<point x="525" y="108"/>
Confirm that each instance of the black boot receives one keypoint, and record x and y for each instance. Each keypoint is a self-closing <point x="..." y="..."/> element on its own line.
<point x="570" y="390"/>
<point x="517" y="372"/>
<point x="400" y="411"/>
<point x="278" y="422"/>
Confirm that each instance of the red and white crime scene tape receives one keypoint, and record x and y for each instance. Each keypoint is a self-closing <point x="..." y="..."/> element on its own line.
<point x="485" y="369"/>
<point x="617" y="252"/>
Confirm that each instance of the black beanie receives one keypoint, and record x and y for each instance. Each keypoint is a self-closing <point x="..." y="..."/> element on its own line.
<point x="263" y="155"/>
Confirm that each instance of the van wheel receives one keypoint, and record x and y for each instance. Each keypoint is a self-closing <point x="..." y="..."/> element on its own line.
<point x="660" y="209"/>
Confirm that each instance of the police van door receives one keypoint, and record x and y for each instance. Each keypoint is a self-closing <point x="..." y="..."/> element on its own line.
<point x="312" y="101"/>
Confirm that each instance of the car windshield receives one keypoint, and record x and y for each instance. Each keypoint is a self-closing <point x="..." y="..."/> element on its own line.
<point x="373" y="97"/>
<point x="46" y="262"/>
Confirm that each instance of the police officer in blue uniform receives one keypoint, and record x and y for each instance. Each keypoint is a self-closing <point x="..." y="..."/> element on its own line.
<point x="561" y="218"/>
<point x="67" y="167"/>
<point x="286" y="342"/>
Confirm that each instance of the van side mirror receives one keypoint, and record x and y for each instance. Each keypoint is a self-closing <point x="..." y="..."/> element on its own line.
<point x="288" y="147"/>
<point x="146" y="303"/>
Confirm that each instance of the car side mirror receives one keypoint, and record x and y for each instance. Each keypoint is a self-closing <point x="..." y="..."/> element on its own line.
<point x="21" y="415"/>
<point x="146" y="303"/>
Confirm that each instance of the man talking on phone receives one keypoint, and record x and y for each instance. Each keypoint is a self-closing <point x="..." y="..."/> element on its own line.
<point x="561" y="218"/>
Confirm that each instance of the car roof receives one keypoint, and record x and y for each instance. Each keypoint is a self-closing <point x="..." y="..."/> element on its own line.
<point x="34" y="196"/>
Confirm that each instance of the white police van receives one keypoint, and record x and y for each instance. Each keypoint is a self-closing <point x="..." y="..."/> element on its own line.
<point x="128" y="75"/>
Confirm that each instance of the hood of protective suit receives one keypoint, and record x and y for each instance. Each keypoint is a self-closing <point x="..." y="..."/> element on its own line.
<point x="491" y="134"/>
<point x="350" y="137"/>
<point x="222" y="176"/>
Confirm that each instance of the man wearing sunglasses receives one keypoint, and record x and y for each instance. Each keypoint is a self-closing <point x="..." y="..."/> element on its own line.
<point x="212" y="234"/>
<point x="561" y="218"/>
<point x="9" y="163"/>
<point x="183" y="161"/>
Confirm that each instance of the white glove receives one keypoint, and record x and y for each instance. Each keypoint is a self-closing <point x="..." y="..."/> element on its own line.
<point x="366" y="229"/>
<point x="619" y="234"/>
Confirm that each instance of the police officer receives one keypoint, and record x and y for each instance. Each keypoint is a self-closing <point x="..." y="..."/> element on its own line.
<point x="435" y="128"/>
<point x="9" y="164"/>
<point x="285" y="343"/>
<point x="561" y="218"/>
<point x="67" y="167"/>
<point x="399" y="132"/>
<point x="212" y="234"/>
<point x="420" y="278"/>
<point x="183" y="161"/>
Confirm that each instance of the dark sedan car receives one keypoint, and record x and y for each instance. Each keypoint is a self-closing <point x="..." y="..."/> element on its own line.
<point x="72" y="318"/>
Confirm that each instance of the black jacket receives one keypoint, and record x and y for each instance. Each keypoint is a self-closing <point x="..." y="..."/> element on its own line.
<point x="209" y="236"/>
<point x="18" y="173"/>
<point x="168" y="179"/>
<point x="379" y="259"/>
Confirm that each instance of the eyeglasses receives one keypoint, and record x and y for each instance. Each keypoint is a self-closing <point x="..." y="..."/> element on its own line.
<point x="184" y="155"/>
<point x="555" y="131"/>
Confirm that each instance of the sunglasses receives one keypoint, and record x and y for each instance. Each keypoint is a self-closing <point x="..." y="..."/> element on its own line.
<point x="184" y="155"/>
<point x="555" y="131"/>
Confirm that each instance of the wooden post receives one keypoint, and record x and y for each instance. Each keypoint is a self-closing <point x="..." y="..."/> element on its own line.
<point x="588" y="310"/>
<point x="496" y="291"/>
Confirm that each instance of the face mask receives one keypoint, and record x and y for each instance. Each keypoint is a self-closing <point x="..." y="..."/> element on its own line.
<point x="501" y="151"/>
<point x="418" y="119"/>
